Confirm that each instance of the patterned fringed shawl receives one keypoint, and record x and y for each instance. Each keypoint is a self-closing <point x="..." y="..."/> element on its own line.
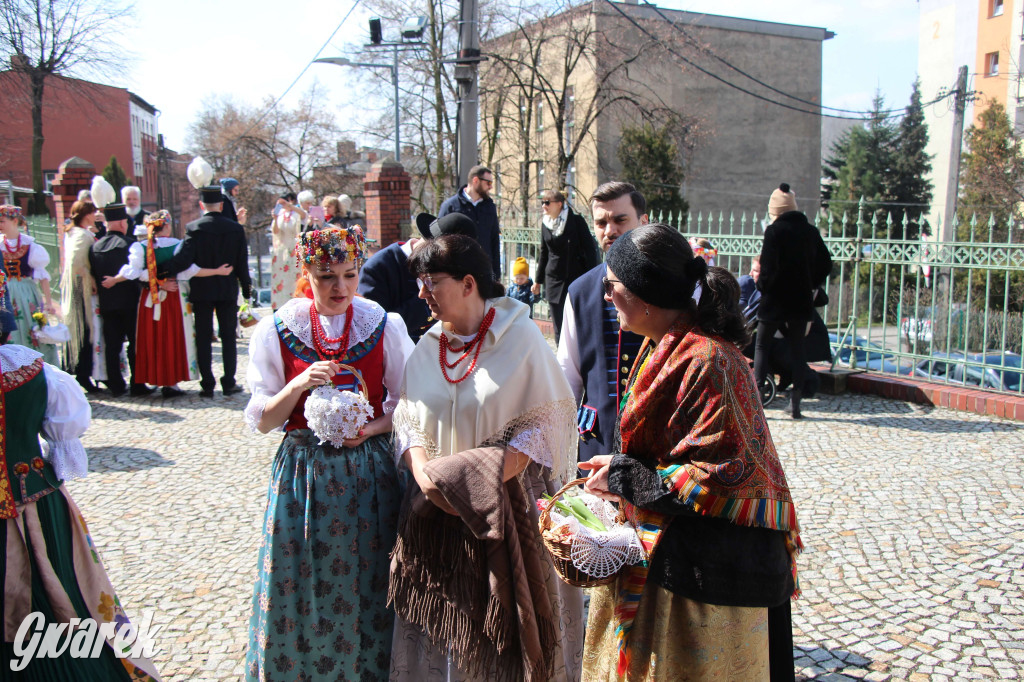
<point x="694" y="406"/>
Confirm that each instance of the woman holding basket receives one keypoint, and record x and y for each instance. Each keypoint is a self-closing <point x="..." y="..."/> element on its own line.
<point x="697" y="474"/>
<point x="485" y="419"/>
<point x="319" y="604"/>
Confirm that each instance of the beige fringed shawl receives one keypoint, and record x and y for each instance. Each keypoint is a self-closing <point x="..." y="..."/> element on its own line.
<point x="74" y="286"/>
<point x="476" y="583"/>
<point x="517" y="386"/>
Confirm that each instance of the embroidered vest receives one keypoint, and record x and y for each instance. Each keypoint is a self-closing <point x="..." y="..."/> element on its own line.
<point x="366" y="357"/>
<point x="16" y="264"/>
<point x="24" y="475"/>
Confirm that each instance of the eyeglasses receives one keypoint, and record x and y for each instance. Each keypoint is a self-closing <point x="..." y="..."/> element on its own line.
<point x="431" y="282"/>
<point x="608" y="288"/>
<point x="545" y="203"/>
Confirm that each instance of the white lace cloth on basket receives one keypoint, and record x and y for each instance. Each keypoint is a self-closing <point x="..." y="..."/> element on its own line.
<point x="600" y="553"/>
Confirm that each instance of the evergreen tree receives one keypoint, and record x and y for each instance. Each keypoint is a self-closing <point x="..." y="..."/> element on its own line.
<point x="115" y="174"/>
<point x="992" y="174"/>
<point x="911" y="169"/>
<point x="650" y="161"/>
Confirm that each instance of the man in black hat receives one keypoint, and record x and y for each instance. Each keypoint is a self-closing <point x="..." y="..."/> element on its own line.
<point x="119" y="299"/>
<point x="385" y="277"/>
<point x="215" y="238"/>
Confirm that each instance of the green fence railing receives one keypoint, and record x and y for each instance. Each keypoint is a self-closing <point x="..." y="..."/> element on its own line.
<point x="948" y="311"/>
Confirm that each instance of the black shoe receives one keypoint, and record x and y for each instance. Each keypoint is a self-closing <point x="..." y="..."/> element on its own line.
<point x="90" y="387"/>
<point x="171" y="392"/>
<point x="793" y="407"/>
<point x="139" y="390"/>
<point x="232" y="390"/>
<point x="117" y="391"/>
<point x="206" y="393"/>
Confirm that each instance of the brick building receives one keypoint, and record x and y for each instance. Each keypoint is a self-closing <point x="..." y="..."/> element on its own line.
<point x="80" y="119"/>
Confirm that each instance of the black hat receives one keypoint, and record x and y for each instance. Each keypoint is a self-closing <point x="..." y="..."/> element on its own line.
<point x="211" y="194"/>
<point x="114" y="212"/>
<point x="453" y="223"/>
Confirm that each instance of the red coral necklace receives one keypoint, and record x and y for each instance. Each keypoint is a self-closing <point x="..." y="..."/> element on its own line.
<point x="17" y="245"/>
<point x="320" y="338"/>
<point x="477" y="342"/>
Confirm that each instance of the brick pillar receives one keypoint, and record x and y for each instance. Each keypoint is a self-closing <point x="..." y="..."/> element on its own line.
<point x="73" y="176"/>
<point x="386" y="189"/>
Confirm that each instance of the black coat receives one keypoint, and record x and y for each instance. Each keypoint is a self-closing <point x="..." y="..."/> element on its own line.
<point x="794" y="262"/>
<point x="228" y="210"/>
<point x="210" y="242"/>
<point x="106" y="257"/>
<point x="563" y="259"/>
<point x="139" y="219"/>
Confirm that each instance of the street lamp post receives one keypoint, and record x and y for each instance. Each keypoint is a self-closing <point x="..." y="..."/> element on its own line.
<point x="344" y="61"/>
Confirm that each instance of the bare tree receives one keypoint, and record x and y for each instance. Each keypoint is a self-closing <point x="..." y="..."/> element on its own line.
<point x="46" y="38"/>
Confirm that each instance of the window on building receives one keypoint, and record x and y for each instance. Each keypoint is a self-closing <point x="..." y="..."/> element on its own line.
<point x="522" y="110"/>
<point x="992" y="64"/>
<point x="48" y="178"/>
<point x="997" y="8"/>
<point x="539" y="113"/>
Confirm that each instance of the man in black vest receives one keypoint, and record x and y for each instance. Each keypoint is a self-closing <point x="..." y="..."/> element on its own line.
<point x="214" y="238"/>
<point x="132" y="198"/>
<point x="119" y="299"/>
<point x="594" y="353"/>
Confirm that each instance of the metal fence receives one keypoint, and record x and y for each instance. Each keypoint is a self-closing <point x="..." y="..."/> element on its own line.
<point x="947" y="311"/>
<point x="45" y="232"/>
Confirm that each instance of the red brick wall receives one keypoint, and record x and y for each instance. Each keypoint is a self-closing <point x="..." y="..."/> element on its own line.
<point x="80" y="118"/>
<point x="386" y="190"/>
<point x="66" y="186"/>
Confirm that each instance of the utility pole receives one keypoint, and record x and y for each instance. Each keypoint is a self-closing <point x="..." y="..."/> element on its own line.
<point x="953" y="181"/>
<point x="469" y="93"/>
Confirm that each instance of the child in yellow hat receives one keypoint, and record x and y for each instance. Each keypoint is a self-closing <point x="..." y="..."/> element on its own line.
<point x="521" y="284"/>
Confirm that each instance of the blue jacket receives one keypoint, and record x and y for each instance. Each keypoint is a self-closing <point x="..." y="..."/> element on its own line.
<point x="750" y="297"/>
<point x="606" y="357"/>
<point x="385" y="278"/>
<point x="485" y="215"/>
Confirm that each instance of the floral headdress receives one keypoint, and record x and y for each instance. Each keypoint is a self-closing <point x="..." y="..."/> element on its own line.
<point x="154" y="222"/>
<point x="10" y="211"/>
<point x="327" y="247"/>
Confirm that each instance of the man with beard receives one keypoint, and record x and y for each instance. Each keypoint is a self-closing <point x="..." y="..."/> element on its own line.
<point x="131" y="196"/>
<point x="594" y="353"/>
<point x="473" y="200"/>
<point x="119" y="299"/>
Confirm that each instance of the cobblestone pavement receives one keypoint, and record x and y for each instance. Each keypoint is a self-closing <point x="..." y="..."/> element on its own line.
<point x="912" y="518"/>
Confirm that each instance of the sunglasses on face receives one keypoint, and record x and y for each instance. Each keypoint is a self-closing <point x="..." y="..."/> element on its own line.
<point x="545" y="203"/>
<point x="431" y="282"/>
<point x="608" y="288"/>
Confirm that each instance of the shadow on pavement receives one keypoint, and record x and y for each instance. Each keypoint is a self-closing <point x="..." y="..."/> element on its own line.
<point x="835" y="662"/>
<point x="118" y="458"/>
<point x="103" y="409"/>
<point x="923" y="424"/>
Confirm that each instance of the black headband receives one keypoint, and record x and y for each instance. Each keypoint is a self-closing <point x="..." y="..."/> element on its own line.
<point x="652" y="284"/>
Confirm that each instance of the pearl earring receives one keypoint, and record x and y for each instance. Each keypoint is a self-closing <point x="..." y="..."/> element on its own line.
<point x="647" y="311"/>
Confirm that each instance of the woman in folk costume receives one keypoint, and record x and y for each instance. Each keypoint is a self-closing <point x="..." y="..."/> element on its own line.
<point x="164" y="337"/>
<point x="485" y="420"/>
<point x="50" y="564"/>
<point x="28" y="282"/>
<point x="697" y="473"/>
<point x="285" y="231"/>
<point x="77" y="289"/>
<point x="319" y="604"/>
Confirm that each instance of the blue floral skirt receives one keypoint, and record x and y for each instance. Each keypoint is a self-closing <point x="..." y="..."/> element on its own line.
<point x="319" y="605"/>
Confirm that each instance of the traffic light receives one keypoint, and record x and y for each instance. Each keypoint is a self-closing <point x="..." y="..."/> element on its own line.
<point x="376" y="36"/>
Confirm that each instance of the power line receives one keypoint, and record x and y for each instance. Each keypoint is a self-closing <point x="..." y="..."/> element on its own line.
<point x="711" y="53"/>
<point x="301" y="74"/>
<point x="715" y="76"/>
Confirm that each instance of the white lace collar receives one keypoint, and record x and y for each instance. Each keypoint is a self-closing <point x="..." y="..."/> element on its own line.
<point x="366" y="317"/>
<point x="25" y="239"/>
<point x="13" y="356"/>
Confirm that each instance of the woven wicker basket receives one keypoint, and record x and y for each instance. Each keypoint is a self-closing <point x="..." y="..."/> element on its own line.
<point x="559" y="551"/>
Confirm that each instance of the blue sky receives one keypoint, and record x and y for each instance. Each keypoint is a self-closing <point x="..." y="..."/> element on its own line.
<point x="252" y="50"/>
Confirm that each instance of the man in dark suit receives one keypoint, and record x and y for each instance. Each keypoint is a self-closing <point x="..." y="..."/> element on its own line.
<point x="132" y="198"/>
<point x="473" y="200"/>
<point x="119" y="299"/>
<point x="214" y="238"/>
<point x="385" y="277"/>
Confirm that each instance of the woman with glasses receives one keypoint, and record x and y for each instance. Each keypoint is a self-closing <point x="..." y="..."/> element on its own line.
<point x="567" y="250"/>
<point x="486" y="427"/>
<point x="320" y="600"/>
<point x="696" y="471"/>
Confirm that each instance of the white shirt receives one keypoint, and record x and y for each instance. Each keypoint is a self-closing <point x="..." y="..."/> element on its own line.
<point x="470" y="199"/>
<point x="266" y="375"/>
<point x="38" y="257"/>
<point x="136" y="267"/>
<point x="568" y="352"/>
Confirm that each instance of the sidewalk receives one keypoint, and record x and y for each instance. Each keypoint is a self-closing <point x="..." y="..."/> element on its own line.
<point x="911" y="516"/>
